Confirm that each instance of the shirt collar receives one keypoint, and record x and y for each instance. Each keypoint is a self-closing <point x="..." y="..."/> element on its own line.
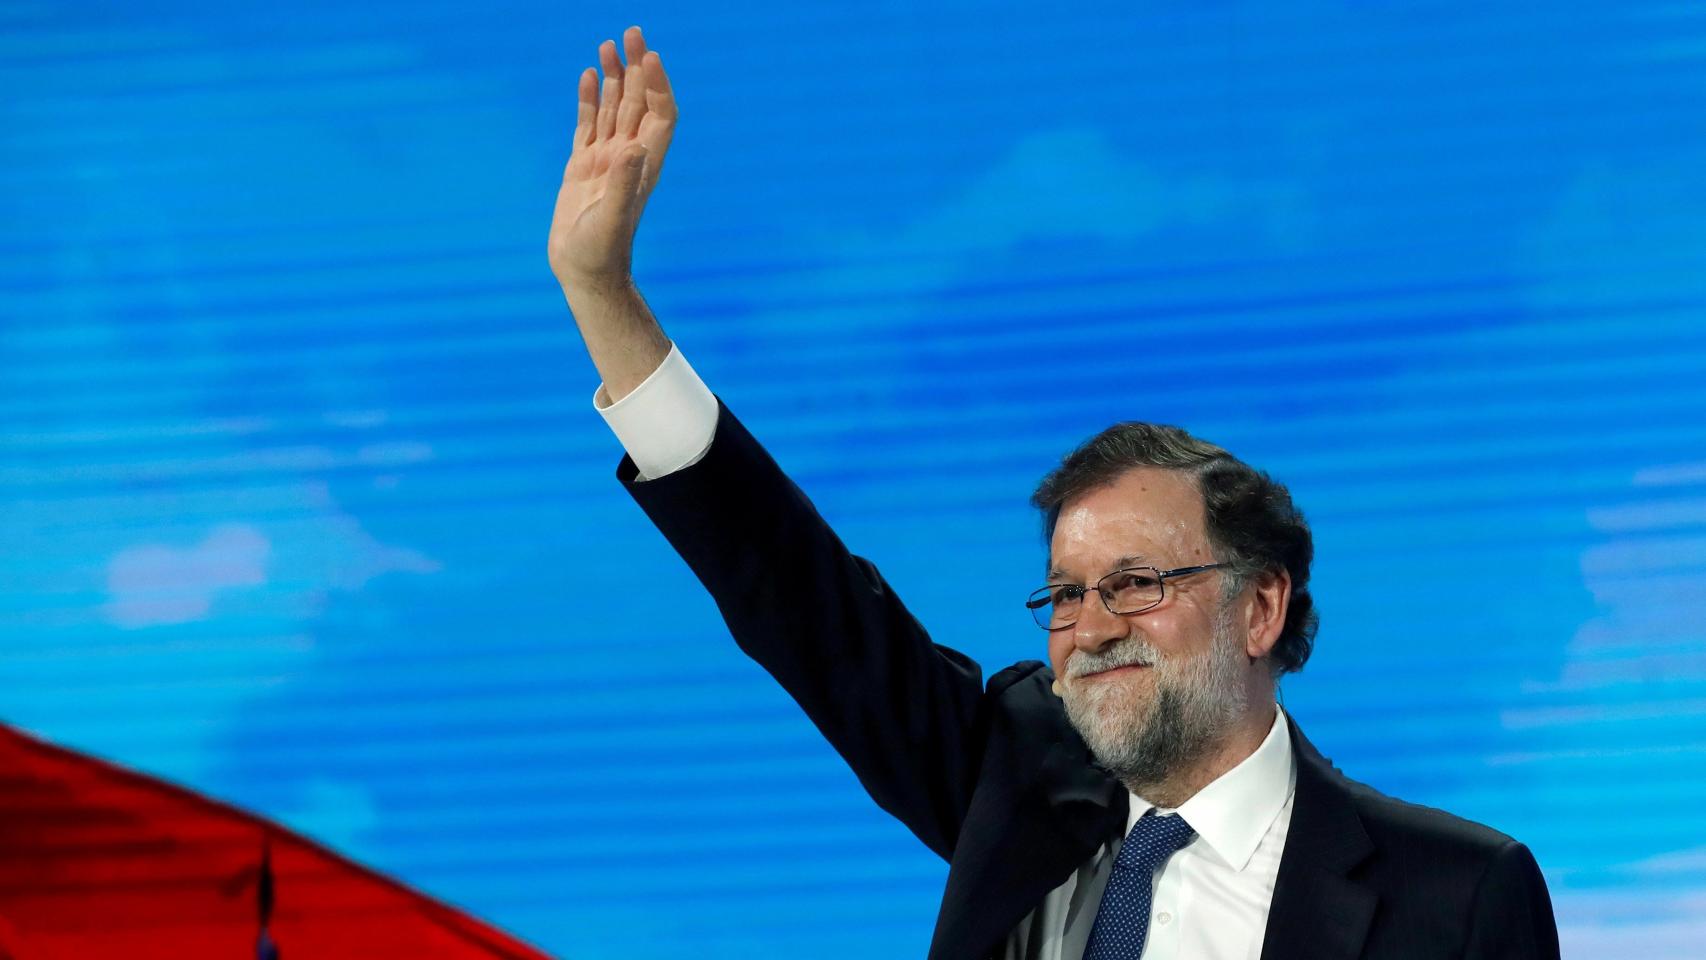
<point x="1233" y="813"/>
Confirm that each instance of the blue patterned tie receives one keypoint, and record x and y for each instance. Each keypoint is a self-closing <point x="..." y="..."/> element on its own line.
<point x="1122" y="922"/>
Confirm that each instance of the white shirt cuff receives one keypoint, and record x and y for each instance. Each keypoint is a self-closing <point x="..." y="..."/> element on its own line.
<point x="667" y="422"/>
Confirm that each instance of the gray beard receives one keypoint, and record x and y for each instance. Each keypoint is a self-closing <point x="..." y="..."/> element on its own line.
<point x="1196" y="703"/>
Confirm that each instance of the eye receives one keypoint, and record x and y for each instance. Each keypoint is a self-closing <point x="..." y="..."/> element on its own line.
<point x="1068" y="593"/>
<point x="1132" y="581"/>
<point x="1054" y="596"/>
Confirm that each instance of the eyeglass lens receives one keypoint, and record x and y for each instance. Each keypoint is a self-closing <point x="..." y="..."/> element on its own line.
<point x="1126" y="591"/>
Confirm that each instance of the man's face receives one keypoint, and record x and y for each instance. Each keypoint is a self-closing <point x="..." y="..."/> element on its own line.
<point x="1153" y="690"/>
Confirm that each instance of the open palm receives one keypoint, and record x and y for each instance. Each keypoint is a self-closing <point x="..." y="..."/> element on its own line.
<point x="619" y="145"/>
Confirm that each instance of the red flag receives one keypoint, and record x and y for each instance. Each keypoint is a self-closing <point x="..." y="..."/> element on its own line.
<point x="101" y="862"/>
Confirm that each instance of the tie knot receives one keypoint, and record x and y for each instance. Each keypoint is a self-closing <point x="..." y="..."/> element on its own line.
<point x="1152" y="840"/>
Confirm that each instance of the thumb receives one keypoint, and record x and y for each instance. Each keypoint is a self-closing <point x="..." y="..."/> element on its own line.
<point x="627" y="172"/>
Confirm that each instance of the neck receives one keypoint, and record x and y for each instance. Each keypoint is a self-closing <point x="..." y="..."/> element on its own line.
<point x="1222" y="755"/>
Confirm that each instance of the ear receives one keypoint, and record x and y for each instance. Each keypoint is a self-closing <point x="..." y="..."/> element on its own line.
<point x="1269" y="597"/>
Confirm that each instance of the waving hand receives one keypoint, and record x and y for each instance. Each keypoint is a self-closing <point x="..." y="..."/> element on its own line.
<point x="620" y="140"/>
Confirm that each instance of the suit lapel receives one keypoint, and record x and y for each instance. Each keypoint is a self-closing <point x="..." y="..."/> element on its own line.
<point x="1318" y="912"/>
<point x="1011" y="854"/>
<point x="1011" y="858"/>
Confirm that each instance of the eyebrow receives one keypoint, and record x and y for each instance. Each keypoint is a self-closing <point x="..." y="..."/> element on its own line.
<point x="1055" y="574"/>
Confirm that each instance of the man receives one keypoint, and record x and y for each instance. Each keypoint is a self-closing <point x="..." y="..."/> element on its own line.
<point x="1143" y="794"/>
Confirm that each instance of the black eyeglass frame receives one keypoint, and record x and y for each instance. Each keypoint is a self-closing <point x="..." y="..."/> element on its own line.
<point x="1044" y="595"/>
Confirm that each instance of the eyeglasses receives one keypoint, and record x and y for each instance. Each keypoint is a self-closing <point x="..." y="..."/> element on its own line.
<point x="1125" y="591"/>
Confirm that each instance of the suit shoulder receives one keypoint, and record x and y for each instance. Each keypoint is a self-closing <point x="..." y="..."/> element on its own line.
<point x="1393" y="822"/>
<point x="1448" y="880"/>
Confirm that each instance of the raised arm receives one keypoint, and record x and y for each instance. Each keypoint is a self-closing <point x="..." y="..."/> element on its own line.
<point x="620" y="141"/>
<point x="908" y="716"/>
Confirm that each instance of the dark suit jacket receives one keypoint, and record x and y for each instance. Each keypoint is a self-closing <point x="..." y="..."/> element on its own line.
<point x="994" y="778"/>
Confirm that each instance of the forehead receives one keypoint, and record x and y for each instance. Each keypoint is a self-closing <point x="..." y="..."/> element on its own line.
<point x="1148" y="515"/>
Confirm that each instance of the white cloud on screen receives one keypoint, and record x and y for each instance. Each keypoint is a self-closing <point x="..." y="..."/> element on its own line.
<point x="189" y="622"/>
<point x="155" y="583"/>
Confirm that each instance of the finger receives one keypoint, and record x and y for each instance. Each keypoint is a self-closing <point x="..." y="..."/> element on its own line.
<point x="634" y="44"/>
<point x="586" y="114"/>
<point x="612" y="90"/>
<point x="608" y="104"/>
<point x="633" y="105"/>
<point x="659" y="97"/>
<point x="659" y="121"/>
<point x="607" y="58"/>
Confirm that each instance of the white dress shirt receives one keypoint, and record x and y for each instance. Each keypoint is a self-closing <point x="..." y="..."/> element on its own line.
<point x="1211" y="898"/>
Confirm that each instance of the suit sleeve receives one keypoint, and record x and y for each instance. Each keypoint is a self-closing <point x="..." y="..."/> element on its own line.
<point x="906" y="714"/>
<point x="1512" y="914"/>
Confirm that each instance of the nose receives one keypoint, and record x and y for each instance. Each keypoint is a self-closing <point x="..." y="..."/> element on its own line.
<point x="1097" y="626"/>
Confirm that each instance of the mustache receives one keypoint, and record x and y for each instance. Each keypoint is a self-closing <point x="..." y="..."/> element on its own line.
<point x="1123" y="654"/>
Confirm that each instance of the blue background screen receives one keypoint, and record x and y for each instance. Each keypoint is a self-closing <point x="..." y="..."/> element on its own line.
<point x="306" y="505"/>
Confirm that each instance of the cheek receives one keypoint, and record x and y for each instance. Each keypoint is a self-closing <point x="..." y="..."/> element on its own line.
<point x="1176" y="633"/>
